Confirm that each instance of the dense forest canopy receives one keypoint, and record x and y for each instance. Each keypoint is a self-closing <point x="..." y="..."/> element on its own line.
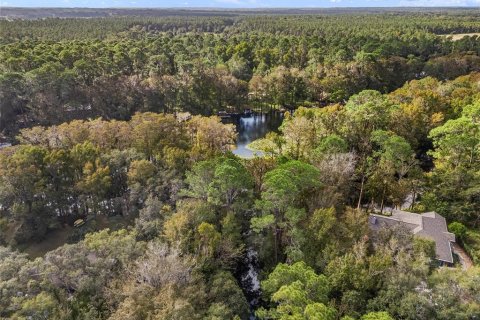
<point x="120" y="197"/>
<point x="54" y="70"/>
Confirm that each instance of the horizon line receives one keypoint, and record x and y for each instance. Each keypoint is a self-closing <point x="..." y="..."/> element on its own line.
<point x="246" y="8"/>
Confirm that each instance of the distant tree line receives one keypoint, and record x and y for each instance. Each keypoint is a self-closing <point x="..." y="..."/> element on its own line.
<point x="55" y="70"/>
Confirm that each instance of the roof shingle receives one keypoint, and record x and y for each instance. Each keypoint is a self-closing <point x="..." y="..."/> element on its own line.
<point x="430" y="225"/>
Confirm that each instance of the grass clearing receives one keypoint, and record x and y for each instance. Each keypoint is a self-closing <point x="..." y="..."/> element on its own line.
<point x="458" y="36"/>
<point x="69" y="234"/>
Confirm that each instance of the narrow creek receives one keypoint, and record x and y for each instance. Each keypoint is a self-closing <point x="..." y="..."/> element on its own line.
<point x="249" y="280"/>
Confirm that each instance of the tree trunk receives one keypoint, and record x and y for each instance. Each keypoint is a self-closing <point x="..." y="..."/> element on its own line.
<point x="414" y="195"/>
<point x="275" y="243"/>
<point x="383" y="198"/>
<point x="359" y="204"/>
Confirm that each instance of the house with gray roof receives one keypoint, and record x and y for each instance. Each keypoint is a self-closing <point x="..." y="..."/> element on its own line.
<point x="429" y="225"/>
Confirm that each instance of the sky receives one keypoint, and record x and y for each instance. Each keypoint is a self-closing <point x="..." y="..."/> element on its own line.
<point x="237" y="3"/>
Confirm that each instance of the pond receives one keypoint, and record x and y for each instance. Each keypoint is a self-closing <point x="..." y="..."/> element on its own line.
<point x="253" y="127"/>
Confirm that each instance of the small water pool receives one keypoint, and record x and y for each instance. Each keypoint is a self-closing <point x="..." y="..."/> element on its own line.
<point x="253" y="127"/>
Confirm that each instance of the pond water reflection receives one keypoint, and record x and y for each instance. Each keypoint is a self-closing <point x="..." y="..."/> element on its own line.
<point x="256" y="126"/>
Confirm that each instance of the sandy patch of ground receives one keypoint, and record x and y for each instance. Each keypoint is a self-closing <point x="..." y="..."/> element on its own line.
<point x="459" y="36"/>
<point x="465" y="260"/>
